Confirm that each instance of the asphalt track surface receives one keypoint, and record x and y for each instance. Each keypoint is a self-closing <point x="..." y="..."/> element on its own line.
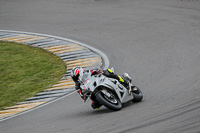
<point x="156" y="41"/>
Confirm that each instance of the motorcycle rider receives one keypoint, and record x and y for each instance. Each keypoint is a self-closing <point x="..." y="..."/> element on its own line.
<point x="77" y="71"/>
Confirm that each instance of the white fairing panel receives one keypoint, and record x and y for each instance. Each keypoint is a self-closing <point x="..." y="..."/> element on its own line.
<point x="94" y="82"/>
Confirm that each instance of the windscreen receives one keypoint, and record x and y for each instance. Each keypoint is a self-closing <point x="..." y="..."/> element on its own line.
<point x="84" y="77"/>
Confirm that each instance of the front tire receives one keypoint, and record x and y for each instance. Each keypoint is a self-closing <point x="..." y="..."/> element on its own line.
<point x="109" y="100"/>
<point x="137" y="95"/>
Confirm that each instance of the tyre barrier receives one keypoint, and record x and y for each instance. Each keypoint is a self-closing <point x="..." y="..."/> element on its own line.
<point x="73" y="53"/>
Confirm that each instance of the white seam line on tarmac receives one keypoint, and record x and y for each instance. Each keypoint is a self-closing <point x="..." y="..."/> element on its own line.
<point x="39" y="106"/>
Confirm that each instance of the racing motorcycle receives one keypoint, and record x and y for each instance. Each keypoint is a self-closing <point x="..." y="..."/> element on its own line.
<point x="108" y="91"/>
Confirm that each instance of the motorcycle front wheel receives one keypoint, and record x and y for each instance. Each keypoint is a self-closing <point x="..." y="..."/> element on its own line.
<point x="137" y="95"/>
<point x="109" y="100"/>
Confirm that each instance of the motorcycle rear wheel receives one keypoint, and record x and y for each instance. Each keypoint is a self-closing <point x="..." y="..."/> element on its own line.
<point x="111" y="102"/>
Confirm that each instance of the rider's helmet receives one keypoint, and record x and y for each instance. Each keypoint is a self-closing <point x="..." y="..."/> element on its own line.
<point x="76" y="72"/>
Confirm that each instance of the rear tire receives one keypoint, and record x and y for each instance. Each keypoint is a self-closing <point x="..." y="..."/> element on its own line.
<point x="137" y="95"/>
<point x="111" y="103"/>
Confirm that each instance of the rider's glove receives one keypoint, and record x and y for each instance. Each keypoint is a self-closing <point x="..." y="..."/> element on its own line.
<point x="98" y="71"/>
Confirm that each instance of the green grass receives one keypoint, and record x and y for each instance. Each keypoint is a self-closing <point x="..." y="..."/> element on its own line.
<point x="25" y="71"/>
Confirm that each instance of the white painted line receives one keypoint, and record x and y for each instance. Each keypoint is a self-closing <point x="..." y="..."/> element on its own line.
<point x="42" y="105"/>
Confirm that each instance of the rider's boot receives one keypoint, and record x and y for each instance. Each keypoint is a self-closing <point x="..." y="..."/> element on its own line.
<point x="127" y="81"/>
<point x="127" y="77"/>
<point x="95" y="105"/>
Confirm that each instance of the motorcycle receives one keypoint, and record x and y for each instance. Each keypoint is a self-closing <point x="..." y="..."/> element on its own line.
<point x="108" y="91"/>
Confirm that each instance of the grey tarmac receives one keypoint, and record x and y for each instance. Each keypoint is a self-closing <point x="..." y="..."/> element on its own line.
<point x="156" y="41"/>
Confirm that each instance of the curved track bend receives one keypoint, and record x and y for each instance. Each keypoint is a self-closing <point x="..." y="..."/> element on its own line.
<point x="156" y="41"/>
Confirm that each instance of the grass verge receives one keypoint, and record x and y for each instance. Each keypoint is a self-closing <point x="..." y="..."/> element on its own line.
<point x="25" y="71"/>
